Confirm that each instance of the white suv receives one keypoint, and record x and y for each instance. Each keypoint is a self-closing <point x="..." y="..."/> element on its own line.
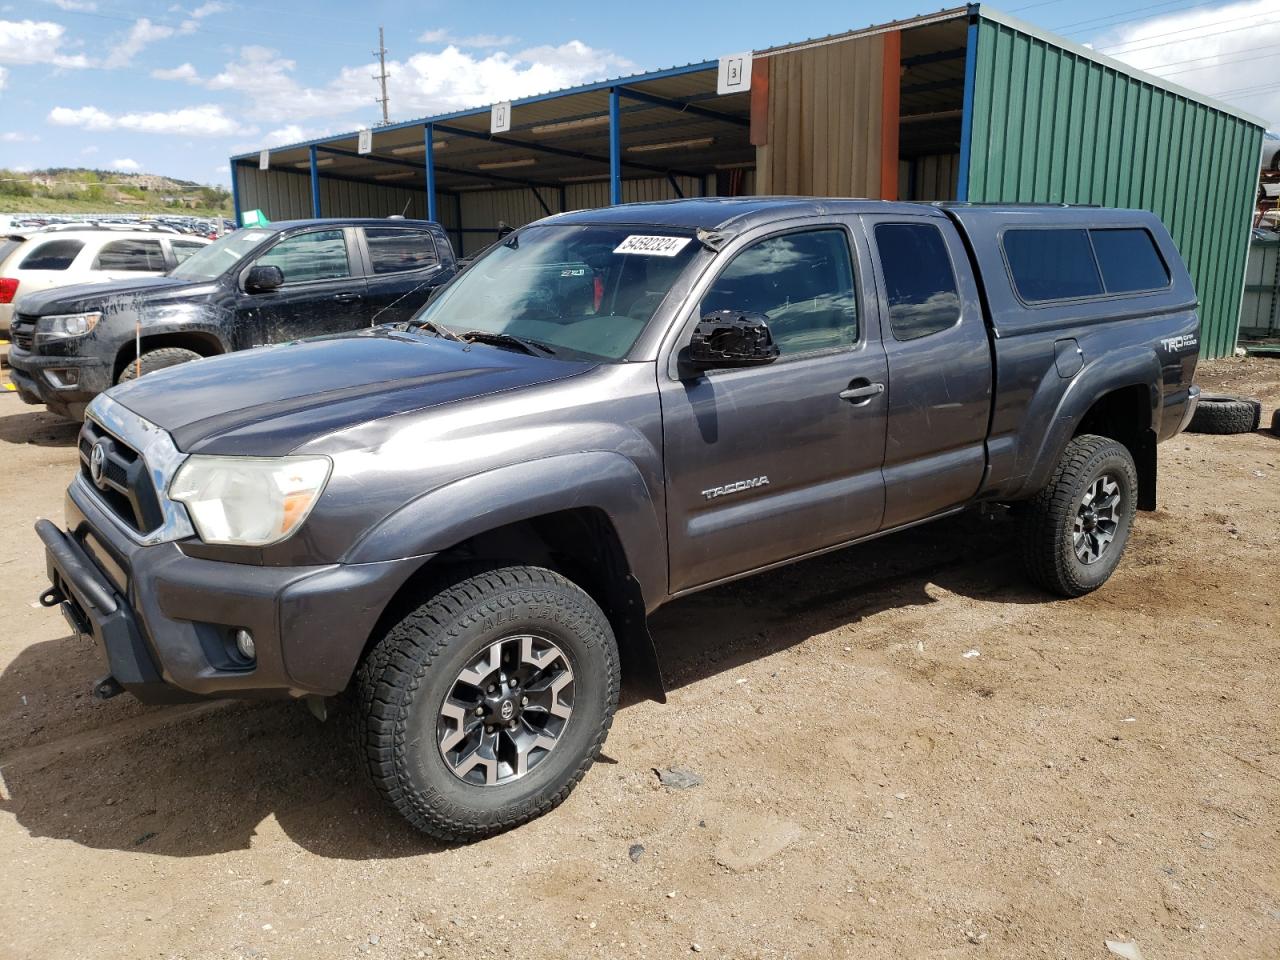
<point x="59" y="257"/>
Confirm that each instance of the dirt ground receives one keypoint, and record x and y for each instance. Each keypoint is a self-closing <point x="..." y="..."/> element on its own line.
<point x="1100" y="769"/>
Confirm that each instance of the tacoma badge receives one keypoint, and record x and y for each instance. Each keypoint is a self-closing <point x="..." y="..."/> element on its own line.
<point x="738" y="487"/>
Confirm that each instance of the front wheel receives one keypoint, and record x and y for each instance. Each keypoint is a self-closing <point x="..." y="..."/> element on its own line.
<point x="484" y="707"/>
<point x="153" y="360"/>
<point x="1074" y="531"/>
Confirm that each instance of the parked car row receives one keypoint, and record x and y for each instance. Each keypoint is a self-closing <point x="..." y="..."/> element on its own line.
<point x="253" y="287"/>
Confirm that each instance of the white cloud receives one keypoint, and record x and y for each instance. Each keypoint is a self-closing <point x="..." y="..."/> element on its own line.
<point x="207" y="120"/>
<point x="185" y="72"/>
<point x="1220" y="51"/>
<point x="434" y="36"/>
<point x="488" y="40"/>
<point x="16" y="136"/>
<point x="36" y="41"/>
<point x="125" y="165"/>
<point x="142" y="34"/>
<point x="4" y="77"/>
<point x="424" y="83"/>
<point x="192" y="23"/>
<point x="75" y="6"/>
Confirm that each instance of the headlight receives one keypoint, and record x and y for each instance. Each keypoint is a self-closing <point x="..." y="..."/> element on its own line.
<point x="64" y="325"/>
<point x="249" y="501"/>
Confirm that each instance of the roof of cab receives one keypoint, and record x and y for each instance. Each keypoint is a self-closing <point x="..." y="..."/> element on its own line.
<point x="344" y="222"/>
<point x="720" y="213"/>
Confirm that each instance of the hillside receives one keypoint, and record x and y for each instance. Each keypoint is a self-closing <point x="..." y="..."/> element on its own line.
<point x="80" y="190"/>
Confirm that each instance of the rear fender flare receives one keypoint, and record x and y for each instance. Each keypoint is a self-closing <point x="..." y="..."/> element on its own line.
<point x="1126" y="367"/>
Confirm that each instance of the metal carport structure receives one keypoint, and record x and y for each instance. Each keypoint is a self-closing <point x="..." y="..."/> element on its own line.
<point x="967" y="103"/>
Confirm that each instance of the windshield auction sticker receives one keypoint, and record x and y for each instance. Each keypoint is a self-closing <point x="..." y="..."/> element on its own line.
<point x="652" y="246"/>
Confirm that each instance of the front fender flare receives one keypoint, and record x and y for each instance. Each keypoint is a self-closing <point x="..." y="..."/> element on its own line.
<point x="448" y="515"/>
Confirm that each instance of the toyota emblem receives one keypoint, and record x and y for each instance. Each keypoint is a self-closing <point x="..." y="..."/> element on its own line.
<point x="508" y="710"/>
<point x="98" y="465"/>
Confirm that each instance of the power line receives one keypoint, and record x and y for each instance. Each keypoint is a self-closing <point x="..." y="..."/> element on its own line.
<point x="1200" y="36"/>
<point x="1210" y="66"/>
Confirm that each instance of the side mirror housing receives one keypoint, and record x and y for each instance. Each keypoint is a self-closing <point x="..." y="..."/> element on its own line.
<point x="731" y="338"/>
<point x="264" y="279"/>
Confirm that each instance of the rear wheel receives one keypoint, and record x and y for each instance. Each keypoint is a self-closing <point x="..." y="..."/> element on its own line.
<point x="154" y="360"/>
<point x="485" y="706"/>
<point x="1074" y="531"/>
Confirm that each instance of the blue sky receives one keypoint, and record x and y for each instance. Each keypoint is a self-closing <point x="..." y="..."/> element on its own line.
<point x="175" y="88"/>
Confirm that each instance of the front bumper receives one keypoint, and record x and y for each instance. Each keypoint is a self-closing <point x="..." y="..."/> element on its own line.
<point x="44" y="379"/>
<point x="166" y="621"/>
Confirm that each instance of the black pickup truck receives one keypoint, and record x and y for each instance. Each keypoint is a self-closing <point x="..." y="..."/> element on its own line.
<point x="258" y="285"/>
<point x="464" y="523"/>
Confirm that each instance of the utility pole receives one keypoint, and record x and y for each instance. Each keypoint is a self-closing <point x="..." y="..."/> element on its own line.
<point x="381" y="76"/>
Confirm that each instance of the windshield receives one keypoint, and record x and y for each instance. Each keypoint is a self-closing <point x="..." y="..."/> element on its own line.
<point x="588" y="290"/>
<point x="218" y="257"/>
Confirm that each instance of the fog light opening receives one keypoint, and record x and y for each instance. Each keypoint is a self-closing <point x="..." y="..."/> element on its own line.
<point x="244" y="644"/>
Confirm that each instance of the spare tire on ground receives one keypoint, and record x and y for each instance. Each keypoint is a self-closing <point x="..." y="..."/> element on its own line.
<point x="1275" y="422"/>
<point x="1220" y="413"/>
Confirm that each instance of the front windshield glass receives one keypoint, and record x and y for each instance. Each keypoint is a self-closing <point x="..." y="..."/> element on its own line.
<point x="586" y="290"/>
<point x="218" y="257"/>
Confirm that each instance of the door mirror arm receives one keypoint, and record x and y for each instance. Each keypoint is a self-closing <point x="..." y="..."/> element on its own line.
<point x="728" y="338"/>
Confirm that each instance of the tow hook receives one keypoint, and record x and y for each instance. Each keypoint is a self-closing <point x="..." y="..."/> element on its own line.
<point x="106" y="688"/>
<point x="52" y="597"/>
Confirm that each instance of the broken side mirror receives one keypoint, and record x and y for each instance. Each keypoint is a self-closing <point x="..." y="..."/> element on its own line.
<point x="730" y="338"/>
<point x="264" y="279"/>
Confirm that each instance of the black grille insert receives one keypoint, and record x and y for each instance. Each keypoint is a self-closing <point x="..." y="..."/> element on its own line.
<point x="22" y="331"/>
<point x="123" y="481"/>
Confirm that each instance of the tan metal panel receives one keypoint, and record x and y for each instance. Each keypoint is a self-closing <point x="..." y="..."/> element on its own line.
<point x="824" y="108"/>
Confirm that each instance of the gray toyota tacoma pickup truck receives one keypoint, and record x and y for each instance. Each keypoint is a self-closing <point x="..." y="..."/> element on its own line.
<point x="462" y="523"/>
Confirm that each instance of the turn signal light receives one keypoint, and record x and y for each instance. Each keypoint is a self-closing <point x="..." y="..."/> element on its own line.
<point x="8" y="288"/>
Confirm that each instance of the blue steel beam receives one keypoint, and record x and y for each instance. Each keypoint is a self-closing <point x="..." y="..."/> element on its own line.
<point x="429" y="161"/>
<point x="235" y="192"/>
<point x="682" y="106"/>
<point x="315" y="184"/>
<point x="615" y="148"/>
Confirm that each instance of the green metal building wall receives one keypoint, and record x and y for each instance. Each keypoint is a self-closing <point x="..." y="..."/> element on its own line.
<point x="1048" y="124"/>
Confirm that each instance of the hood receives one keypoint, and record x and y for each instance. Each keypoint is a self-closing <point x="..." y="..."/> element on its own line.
<point x="79" y="297"/>
<point x="269" y="401"/>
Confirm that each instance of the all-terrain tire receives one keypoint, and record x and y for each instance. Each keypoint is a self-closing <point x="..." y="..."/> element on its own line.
<point x="1275" y="423"/>
<point x="154" y="360"/>
<point x="1218" y="413"/>
<point x="403" y="683"/>
<point x="1048" y="521"/>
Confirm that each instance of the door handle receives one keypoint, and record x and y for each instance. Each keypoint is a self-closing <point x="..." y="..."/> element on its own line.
<point x="860" y="391"/>
<point x="346" y="297"/>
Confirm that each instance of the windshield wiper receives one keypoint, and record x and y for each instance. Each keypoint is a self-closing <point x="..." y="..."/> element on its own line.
<point x="439" y="329"/>
<point x="531" y="347"/>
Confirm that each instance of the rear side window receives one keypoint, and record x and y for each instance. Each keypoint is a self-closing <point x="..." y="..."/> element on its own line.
<point x="394" y="250"/>
<point x="144" y="255"/>
<point x="1052" y="264"/>
<point x="918" y="279"/>
<point x="1129" y="260"/>
<point x="52" y="255"/>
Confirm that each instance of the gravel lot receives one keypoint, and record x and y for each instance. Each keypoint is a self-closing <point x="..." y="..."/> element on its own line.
<point x="1100" y="769"/>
